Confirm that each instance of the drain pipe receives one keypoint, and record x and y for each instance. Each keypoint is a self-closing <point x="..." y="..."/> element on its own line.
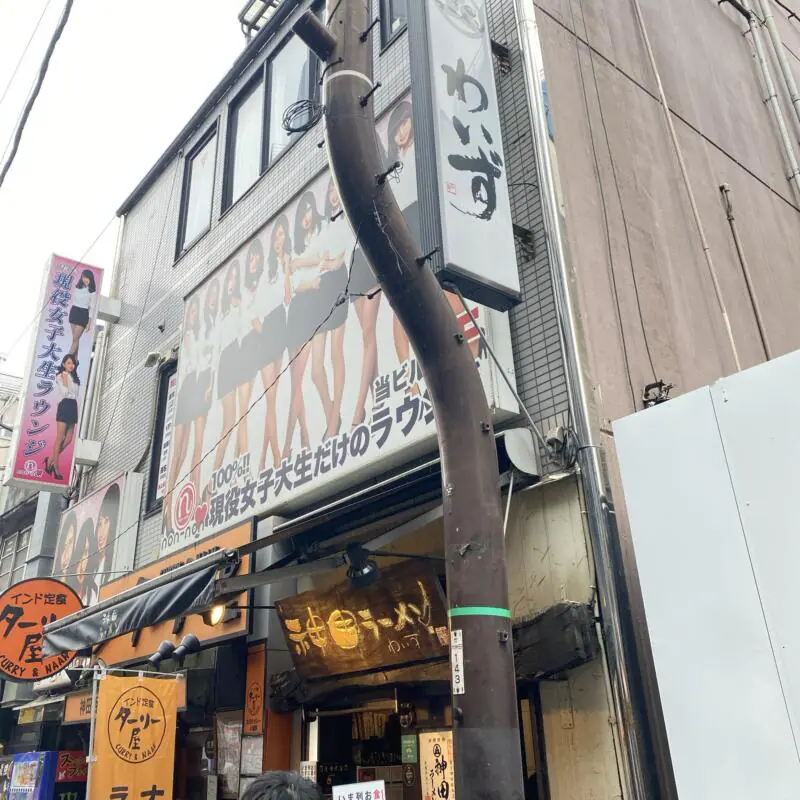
<point x="771" y="99"/>
<point x="645" y="764"/>
<point x="780" y="53"/>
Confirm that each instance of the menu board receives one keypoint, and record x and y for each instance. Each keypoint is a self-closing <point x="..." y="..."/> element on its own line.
<point x="229" y="754"/>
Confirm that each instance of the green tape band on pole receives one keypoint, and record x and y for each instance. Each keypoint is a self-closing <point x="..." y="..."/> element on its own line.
<point x="480" y="611"/>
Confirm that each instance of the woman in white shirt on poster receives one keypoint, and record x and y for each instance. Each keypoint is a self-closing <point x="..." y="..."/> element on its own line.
<point x="229" y="326"/>
<point x="84" y="299"/>
<point x="67" y="386"/>
<point x="305" y="315"/>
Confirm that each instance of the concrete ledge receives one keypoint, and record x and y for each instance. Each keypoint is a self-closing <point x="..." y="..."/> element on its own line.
<point x="87" y="452"/>
<point x="110" y="309"/>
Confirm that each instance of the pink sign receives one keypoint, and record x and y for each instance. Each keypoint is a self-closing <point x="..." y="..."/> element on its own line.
<point x="55" y="384"/>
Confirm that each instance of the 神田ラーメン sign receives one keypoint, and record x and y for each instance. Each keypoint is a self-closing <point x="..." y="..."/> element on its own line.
<point x="55" y="382"/>
<point x="25" y="609"/>
<point x="398" y="620"/>
<point x="352" y="404"/>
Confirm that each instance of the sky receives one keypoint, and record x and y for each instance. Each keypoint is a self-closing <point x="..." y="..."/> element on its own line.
<point x="124" y="79"/>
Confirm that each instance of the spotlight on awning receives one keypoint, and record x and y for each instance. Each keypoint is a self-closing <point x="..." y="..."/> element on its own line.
<point x="165" y="650"/>
<point x="220" y="614"/>
<point x="189" y="644"/>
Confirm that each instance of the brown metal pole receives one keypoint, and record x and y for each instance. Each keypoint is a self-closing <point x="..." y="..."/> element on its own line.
<point x="488" y="756"/>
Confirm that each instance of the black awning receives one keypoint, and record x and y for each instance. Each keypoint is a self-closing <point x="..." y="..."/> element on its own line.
<point x="154" y="601"/>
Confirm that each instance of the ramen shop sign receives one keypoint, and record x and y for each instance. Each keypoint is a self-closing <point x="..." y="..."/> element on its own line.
<point x="401" y="619"/>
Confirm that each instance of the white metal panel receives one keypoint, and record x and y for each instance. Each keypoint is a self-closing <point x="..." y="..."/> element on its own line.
<point x="726" y="719"/>
<point x="757" y="411"/>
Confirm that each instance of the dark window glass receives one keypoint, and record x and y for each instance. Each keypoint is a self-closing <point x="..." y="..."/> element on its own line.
<point x="162" y="436"/>
<point x="245" y="128"/>
<point x="394" y="16"/>
<point x="293" y="76"/>
<point x="198" y="192"/>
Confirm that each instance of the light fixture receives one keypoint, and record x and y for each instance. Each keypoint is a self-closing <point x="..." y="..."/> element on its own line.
<point x="220" y="614"/>
<point x="154" y="358"/>
<point x="363" y="571"/>
<point x="189" y="644"/>
<point x="165" y="650"/>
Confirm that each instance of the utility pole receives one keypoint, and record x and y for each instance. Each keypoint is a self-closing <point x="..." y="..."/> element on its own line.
<point x="488" y="757"/>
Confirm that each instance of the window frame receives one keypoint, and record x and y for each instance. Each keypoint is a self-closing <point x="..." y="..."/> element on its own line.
<point x="152" y="504"/>
<point x="251" y="86"/>
<point x="182" y="245"/>
<point x="387" y="37"/>
<point x="12" y="554"/>
<point x="313" y="92"/>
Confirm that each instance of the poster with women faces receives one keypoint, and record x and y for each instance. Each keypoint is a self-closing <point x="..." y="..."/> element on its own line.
<point x="97" y="537"/>
<point x="43" y="446"/>
<point x="295" y="379"/>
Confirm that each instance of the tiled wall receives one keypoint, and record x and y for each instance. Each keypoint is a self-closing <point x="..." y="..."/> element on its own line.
<point x="152" y="285"/>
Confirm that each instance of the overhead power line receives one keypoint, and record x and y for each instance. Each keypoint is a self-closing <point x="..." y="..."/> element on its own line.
<point x="62" y="23"/>
<point x="24" y="52"/>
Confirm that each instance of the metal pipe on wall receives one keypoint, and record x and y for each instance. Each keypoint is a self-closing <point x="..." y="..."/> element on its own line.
<point x="772" y="101"/>
<point x="780" y="54"/>
<point x="645" y="766"/>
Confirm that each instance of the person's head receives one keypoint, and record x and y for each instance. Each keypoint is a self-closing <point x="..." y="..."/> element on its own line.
<point x="254" y="266"/>
<point x="307" y="220"/>
<point x="280" y="245"/>
<point x="211" y="305"/>
<point x="86" y="281"/>
<point x="193" y="315"/>
<point x="107" y="525"/>
<point x="69" y="532"/>
<point x="69" y="364"/>
<point x="231" y="294"/>
<point x="401" y="131"/>
<point x="333" y="203"/>
<point x="282" y="786"/>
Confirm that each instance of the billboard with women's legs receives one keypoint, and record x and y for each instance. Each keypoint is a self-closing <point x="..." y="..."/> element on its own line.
<point x="295" y="379"/>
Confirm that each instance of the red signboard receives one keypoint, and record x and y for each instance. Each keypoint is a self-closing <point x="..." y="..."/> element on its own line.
<point x="72" y="767"/>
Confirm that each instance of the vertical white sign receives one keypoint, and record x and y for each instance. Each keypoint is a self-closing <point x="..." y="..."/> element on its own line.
<point x="457" y="660"/>
<point x="166" y="438"/>
<point x="477" y="234"/>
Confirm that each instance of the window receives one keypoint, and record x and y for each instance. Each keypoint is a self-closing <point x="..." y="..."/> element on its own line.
<point x="13" y="553"/>
<point x="162" y="437"/>
<point x="198" y="190"/>
<point x="245" y="135"/>
<point x="292" y="77"/>
<point x="394" y="18"/>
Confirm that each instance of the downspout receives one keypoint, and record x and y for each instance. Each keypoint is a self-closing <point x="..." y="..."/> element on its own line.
<point x="89" y="421"/>
<point x="772" y="101"/>
<point x="780" y="53"/>
<point x="642" y="780"/>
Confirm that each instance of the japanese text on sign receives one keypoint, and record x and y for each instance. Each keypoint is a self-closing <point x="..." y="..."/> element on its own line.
<point x="370" y="790"/>
<point x="436" y="765"/>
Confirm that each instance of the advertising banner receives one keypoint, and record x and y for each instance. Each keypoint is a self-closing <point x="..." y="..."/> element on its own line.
<point x="294" y="377"/>
<point x="55" y="383"/>
<point x="97" y="537"/>
<point x="437" y="771"/>
<point x="33" y="776"/>
<point x="25" y="609"/>
<point x="256" y="690"/>
<point x="464" y="175"/>
<point x="134" y="744"/>
<point x="72" y="767"/>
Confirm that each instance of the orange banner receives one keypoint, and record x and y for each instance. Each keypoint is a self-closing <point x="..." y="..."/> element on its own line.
<point x="254" y="700"/>
<point x="134" y="740"/>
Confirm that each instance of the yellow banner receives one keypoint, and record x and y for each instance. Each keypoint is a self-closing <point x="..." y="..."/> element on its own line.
<point x="134" y="739"/>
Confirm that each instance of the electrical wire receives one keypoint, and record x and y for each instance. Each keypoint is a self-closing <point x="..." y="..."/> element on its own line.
<point x="342" y="298"/>
<point x="62" y="23"/>
<point x="24" y="52"/>
<point x="619" y="196"/>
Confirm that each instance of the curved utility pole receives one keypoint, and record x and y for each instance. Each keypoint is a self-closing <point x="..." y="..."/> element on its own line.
<point x="488" y="757"/>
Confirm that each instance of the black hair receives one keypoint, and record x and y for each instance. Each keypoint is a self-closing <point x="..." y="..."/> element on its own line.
<point x="329" y="212"/>
<point x="237" y="292"/>
<point x="282" y="786"/>
<point x="272" y="258"/>
<point x="307" y="202"/>
<point x="109" y="508"/>
<point x="87" y="273"/>
<point x="401" y="113"/>
<point x="209" y="316"/>
<point x="74" y="360"/>
<point x="194" y="301"/>
<point x="69" y="521"/>
<point x="255" y="250"/>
